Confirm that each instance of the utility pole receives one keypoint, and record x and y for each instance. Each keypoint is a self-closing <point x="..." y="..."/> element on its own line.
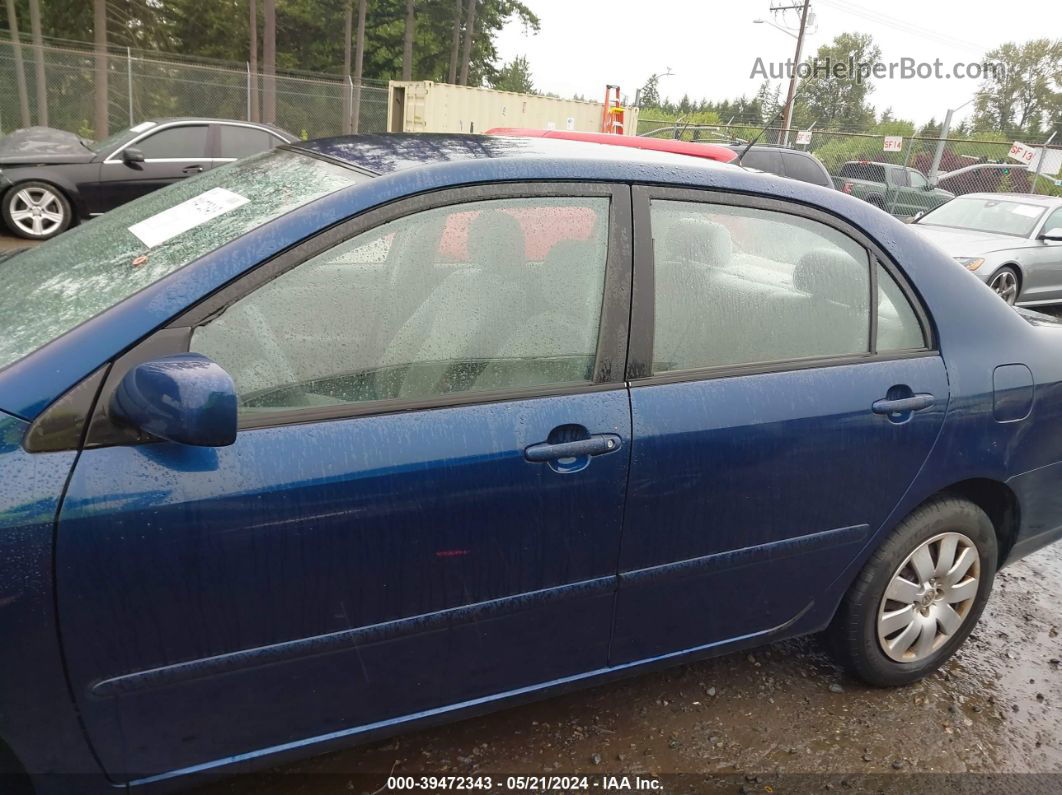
<point x="787" y="120"/>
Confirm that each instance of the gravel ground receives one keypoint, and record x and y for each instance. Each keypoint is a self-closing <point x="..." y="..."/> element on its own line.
<point x="782" y="718"/>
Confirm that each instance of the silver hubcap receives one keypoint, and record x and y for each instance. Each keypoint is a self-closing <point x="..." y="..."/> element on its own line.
<point x="929" y="597"/>
<point x="1006" y="285"/>
<point x="36" y="211"/>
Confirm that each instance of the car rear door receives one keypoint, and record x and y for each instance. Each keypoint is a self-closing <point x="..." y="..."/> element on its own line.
<point x="785" y="390"/>
<point x="422" y="508"/>
<point x="171" y="153"/>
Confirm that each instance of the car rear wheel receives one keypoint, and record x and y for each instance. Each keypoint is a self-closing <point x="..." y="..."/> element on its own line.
<point x="36" y="210"/>
<point x="919" y="595"/>
<point x="1006" y="283"/>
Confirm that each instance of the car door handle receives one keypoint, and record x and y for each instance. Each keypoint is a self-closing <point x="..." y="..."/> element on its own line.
<point x="901" y="405"/>
<point x="192" y="170"/>
<point x="595" y="445"/>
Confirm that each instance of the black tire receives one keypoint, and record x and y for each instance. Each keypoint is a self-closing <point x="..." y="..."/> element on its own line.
<point x="853" y="634"/>
<point x="1004" y="277"/>
<point x="56" y="204"/>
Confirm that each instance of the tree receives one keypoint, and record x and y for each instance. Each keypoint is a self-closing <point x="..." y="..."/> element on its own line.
<point x="252" y="25"/>
<point x="514" y="76"/>
<point x="1023" y="95"/>
<point x="41" y="78"/>
<point x="359" y="62"/>
<point x="20" y="73"/>
<point x="470" y="33"/>
<point x="407" y="42"/>
<point x="649" y="94"/>
<point x="832" y="101"/>
<point x="269" y="56"/>
<point x="455" y="41"/>
<point x="99" y="34"/>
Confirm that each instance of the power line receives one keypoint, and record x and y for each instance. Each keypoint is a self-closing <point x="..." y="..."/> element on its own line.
<point x="903" y="25"/>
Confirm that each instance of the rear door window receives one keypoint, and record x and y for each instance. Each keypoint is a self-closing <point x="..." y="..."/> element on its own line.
<point x="897" y="177"/>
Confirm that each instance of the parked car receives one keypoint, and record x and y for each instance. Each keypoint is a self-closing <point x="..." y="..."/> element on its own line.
<point x="899" y="190"/>
<point x="1012" y="241"/>
<point x="50" y="179"/>
<point x="289" y="461"/>
<point x="785" y="162"/>
<point x="705" y="150"/>
<point x="987" y="178"/>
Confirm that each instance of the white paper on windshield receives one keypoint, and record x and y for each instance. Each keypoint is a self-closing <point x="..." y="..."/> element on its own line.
<point x="186" y="215"/>
<point x="144" y="125"/>
<point x="1027" y="210"/>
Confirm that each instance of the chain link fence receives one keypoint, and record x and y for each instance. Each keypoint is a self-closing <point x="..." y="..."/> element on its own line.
<point x="143" y="85"/>
<point x="962" y="165"/>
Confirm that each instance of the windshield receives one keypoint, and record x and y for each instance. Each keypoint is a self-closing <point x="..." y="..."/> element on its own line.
<point x="47" y="291"/>
<point x="998" y="216"/>
<point x="116" y="139"/>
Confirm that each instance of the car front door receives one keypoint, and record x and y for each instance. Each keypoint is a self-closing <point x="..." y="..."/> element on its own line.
<point x="1042" y="261"/>
<point x="170" y="154"/>
<point x="422" y="508"/>
<point x="769" y="347"/>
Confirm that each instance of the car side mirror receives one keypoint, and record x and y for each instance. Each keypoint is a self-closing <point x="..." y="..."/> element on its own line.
<point x="131" y="156"/>
<point x="1052" y="235"/>
<point x="186" y="398"/>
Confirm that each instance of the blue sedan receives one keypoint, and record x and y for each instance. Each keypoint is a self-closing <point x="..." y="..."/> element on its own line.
<point x="370" y="432"/>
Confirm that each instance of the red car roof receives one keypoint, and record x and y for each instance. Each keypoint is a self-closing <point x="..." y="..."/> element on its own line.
<point x="709" y="151"/>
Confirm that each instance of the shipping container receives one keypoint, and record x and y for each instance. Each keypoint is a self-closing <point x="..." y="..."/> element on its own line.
<point x="425" y="106"/>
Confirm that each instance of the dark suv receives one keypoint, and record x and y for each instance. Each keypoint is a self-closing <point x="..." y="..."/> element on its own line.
<point x="792" y="163"/>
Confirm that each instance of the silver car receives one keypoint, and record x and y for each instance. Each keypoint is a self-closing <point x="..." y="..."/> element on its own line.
<point x="1013" y="241"/>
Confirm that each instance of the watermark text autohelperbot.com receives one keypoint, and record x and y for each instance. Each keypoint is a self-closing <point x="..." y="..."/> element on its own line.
<point x="851" y="69"/>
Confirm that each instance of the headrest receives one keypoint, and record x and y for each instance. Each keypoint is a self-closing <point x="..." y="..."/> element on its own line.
<point x="495" y="240"/>
<point x="833" y="275"/>
<point x="698" y="241"/>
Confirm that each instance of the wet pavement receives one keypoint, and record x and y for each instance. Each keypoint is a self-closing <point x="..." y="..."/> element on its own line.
<point x="763" y="721"/>
<point x="9" y="242"/>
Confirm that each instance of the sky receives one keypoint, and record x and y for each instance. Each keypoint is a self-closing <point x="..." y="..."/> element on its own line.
<point x="711" y="47"/>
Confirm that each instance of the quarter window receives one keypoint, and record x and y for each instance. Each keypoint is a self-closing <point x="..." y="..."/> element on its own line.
<point x="473" y="298"/>
<point x="738" y="286"/>
<point x="188" y="142"/>
<point x="898" y="326"/>
<point x="237" y="141"/>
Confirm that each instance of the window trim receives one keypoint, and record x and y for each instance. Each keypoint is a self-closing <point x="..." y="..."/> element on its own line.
<point x="643" y="307"/>
<point x="613" y="329"/>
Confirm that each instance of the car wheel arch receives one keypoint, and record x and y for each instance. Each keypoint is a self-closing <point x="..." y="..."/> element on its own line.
<point x="996" y="499"/>
<point x="1013" y="266"/>
<point x="69" y="192"/>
